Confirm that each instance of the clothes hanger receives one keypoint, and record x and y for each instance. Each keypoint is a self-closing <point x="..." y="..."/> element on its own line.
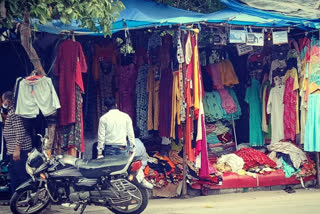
<point x="34" y="76"/>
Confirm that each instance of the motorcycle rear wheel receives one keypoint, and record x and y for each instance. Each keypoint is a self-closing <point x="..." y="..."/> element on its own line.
<point x="22" y="201"/>
<point x="142" y="204"/>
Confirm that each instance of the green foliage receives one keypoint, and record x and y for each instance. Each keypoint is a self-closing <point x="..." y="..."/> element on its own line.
<point x="88" y="13"/>
<point x="201" y="6"/>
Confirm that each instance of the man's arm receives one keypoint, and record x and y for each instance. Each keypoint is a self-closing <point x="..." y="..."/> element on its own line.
<point x="130" y="133"/>
<point x="101" y="136"/>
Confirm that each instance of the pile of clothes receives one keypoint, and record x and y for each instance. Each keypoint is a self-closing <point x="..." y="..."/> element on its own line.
<point x="219" y="139"/>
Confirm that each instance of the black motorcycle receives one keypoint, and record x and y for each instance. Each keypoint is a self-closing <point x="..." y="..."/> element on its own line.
<point x="116" y="183"/>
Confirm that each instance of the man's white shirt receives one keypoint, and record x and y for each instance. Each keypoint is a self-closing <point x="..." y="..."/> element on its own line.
<point x="114" y="127"/>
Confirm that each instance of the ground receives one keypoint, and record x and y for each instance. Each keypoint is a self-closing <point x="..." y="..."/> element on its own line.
<point x="262" y="202"/>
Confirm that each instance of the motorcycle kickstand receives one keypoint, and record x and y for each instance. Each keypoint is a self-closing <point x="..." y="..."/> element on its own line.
<point x="84" y="206"/>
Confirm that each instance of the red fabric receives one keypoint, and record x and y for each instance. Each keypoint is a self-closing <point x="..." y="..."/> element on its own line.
<point x="305" y="42"/>
<point x="253" y="158"/>
<point x="204" y="170"/>
<point x="289" y="114"/>
<point x="78" y="78"/>
<point x="256" y="58"/>
<point x="233" y="180"/>
<point x="127" y="88"/>
<point x="69" y="55"/>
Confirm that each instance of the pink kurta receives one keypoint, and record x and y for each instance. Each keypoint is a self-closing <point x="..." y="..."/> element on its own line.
<point x="289" y="114"/>
<point x="69" y="55"/>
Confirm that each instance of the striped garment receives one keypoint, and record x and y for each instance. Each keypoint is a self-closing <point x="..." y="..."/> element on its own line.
<point x="15" y="132"/>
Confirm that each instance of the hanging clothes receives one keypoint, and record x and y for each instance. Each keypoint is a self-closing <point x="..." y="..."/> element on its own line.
<point x="35" y="96"/>
<point x="290" y="118"/>
<point x="275" y="108"/>
<point x="188" y="99"/>
<point x="127" y="77"/>
<point x="153" y="86"/>
<point x="105" y="74"/>
<point x="228" y="104"/>
<point x="70" y="63"/>
<point x="142" y="101"/>
<point x="265" y="123"/>
<point x="312" y="138"/>
<point x="201" y="130"/>
<point x="215" y="73"/>
<point x="228" y="75"/>
<point x="72" y="134"/>
<point x="175" y="113"/>
<point x="165" y="101"/>
<point x="252" y="97"/>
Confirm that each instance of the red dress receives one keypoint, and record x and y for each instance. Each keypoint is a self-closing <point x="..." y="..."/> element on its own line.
<point x="70" y="63"/>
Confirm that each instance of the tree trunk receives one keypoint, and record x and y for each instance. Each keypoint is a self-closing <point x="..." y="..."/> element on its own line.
<point x="25" y="36"/>
<point x="3" y="11"/>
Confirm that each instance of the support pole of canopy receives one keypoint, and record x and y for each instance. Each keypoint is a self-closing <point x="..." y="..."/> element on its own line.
<point x="184" y="175"/>
<point x="234" y="132"/>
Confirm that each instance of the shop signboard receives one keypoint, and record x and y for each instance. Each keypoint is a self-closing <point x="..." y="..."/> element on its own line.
<point x="220" y="38"/>
<point x="280" y="37"/>
<point x="238" y="36"/>
<point x="244" y="49"/>
<point x="255" y="39"/>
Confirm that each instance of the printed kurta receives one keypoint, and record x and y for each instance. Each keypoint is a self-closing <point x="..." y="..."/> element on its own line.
<point x="70" y="55"/>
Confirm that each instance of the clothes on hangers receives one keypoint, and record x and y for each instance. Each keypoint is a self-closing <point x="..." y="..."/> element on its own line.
<point x="35" y="95"/>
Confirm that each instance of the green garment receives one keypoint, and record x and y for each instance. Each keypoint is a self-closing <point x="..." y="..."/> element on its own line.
<point x="253" y="99"/>
<point x="287" y="169"/>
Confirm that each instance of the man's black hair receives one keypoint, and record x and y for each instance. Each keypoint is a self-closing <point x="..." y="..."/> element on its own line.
<point x="8" y="95"/>
<point x="110" y="102"/>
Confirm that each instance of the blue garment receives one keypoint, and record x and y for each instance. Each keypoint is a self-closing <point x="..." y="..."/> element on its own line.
<point x="212" y="138"/>
<point x="311" y="136"/>
<point x="213" y="107"/>
<point x="253" y="99"/>
<point x="287" y="169"/>
<point x="141" y="152"/>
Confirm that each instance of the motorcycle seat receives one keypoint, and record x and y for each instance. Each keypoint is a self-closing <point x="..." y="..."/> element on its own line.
<point x="101" y="167"/>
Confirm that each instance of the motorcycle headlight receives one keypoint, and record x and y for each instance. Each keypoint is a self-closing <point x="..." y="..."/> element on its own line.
<point x="30" y="170"/>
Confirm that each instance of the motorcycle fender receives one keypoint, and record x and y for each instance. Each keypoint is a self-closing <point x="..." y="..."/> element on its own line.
<point x="30" y="182"/>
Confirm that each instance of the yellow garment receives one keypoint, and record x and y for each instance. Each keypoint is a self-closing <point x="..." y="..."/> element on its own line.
<point x="314" y="67"/>
<point x="294" y="74"/>
<point x="228" y="76"/>
<point x="196" y="76"/>
<point x="175" y="113"/>
<point x="153" y="103"/>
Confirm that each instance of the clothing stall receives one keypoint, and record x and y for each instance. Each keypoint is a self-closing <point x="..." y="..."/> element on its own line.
<point x="219" y="104"/>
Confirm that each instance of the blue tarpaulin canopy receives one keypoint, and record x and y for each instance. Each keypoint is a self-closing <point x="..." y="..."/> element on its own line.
<point x="137" y="14"/>
<point x="146" y="13"/>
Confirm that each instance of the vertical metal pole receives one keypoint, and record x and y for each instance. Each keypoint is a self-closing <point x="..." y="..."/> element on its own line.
<point x="184" y="175"/>
<point x="234" y="132"/>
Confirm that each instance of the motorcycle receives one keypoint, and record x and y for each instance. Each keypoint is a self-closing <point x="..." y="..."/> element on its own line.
<point x="115" y="182"/>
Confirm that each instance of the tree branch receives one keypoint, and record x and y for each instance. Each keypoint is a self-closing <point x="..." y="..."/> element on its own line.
<point x="25" y="36"/>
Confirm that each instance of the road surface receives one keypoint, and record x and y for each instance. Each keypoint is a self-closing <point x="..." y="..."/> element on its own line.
<point x="262" y="202"/>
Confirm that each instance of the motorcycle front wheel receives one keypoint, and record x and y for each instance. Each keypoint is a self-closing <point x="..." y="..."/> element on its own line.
<point x="137" y="204"/>
<point x="24" y="201"/>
